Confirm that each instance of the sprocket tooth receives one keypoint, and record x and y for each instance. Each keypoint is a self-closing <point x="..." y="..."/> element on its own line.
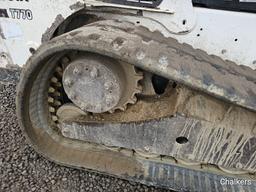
<point x="51" y="90"/>
<point x="111" y="111"/>
<point x="138" y="89"/>
<point x="54" y="80"/>
<point x="50" y="100"/>
<point x="59" y="71"/>
<point x="54" y="118"/>
<point x="123" y="108"/>
<point x="57" y="94"/>
<point x="119" y="108"/>
<point x="134" y="87"/>
<point x="54" y="92"/>
<point x="65" y="60"/>
<point x="138" y="78"/>
<point x="139" y="75"/>
<point x="52" y="109"/>
<point x="57" y="85"/>
<point x="133" y="100"/>
<point x="57" y="103"/>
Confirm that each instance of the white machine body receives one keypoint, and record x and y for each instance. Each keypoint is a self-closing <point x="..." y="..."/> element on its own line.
<point x="228" y="34"/>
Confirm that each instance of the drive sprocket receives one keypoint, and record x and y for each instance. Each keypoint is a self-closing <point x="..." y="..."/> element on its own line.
<point x="69" y="83"/>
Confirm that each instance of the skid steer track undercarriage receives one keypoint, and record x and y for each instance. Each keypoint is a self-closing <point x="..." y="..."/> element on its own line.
<point x="199" y="128"/>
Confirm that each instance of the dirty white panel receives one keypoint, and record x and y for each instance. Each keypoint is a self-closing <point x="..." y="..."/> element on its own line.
<point x="227" y="34"/>
<point x="230" y="35"/>
<point x="177" y="15"/>
<point x="10" y="29"/>
<point x="24" y="22"/>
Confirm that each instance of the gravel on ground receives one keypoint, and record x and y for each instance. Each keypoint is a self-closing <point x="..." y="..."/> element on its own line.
<point x="23" y="170"/>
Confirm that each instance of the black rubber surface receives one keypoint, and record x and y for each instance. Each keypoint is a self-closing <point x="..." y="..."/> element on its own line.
<point x="23" y="170"/>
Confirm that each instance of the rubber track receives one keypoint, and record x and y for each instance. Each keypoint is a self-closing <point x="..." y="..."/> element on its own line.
<point x="122" y="41"/>
<point x="184" y="179"/>
<point x="166" y="57"/>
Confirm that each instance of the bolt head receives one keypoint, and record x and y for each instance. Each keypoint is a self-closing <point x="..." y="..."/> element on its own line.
<point x="68" y="82"/>
<point x="108" y="85"/>
<point x="94" y="72"/>
<point x="76" y="71"/>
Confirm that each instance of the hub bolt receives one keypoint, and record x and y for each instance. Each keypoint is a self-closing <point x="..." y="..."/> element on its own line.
<point x="76" y="71"/>
<point x="68" y="82"/>
<point x="108" y="85"/>
<point x="94" y="72"/>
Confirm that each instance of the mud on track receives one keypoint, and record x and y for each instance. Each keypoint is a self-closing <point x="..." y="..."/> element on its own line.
<point x="22" y="169"/>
